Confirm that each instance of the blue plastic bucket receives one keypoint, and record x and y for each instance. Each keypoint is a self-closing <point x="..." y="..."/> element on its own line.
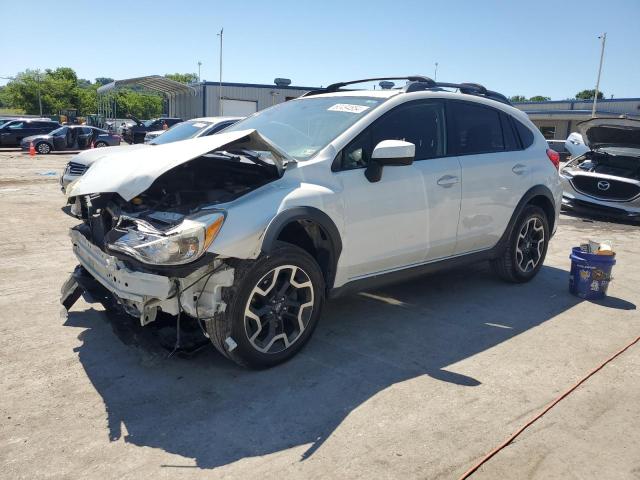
<point x="590" y="274"/>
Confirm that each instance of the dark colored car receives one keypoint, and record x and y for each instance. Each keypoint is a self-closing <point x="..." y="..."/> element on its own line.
<point x="14" y="131"/>
<point x="559" y="146"/>
<point x="136" y="133"/>
<point x="71" y="137"/>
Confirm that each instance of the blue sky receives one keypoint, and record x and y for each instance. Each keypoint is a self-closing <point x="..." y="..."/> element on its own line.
<point x="531" y="48"/>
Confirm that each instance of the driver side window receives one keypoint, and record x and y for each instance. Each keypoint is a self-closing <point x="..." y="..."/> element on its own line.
<point x="420" y="122"/>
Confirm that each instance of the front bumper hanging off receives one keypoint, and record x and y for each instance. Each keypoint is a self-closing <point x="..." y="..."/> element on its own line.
<point x="141" y="294"/>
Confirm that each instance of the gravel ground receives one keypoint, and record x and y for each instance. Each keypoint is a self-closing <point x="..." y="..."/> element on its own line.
<point x="417" y="380"/>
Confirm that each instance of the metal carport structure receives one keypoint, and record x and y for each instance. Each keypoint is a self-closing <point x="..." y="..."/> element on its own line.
<point x="107" y="104"/>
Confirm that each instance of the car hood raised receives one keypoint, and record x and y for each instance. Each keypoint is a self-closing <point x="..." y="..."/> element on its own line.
<point x="619" y="132"/>
<point x="130" y="172"/>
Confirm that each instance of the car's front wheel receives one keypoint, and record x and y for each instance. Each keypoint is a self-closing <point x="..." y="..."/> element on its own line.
<point x="526" y="248"/>
<point x="101" y="145"/>
<point x="272" y="308"/>
<point x="43" y="148"/>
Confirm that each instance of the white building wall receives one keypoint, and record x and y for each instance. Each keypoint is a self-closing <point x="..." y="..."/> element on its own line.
<point x="205" y="102"/>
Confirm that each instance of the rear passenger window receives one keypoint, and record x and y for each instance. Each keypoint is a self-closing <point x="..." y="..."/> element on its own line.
<point x="525" y="134"/>
<point x="511" y="142"/>
<point x="475" y="129"/>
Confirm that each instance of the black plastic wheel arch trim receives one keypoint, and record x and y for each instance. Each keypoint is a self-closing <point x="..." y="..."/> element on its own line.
<point x="311" y="214"/>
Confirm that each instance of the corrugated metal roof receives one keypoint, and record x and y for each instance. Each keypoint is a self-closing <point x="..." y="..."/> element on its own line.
<point x="151" y="82"/>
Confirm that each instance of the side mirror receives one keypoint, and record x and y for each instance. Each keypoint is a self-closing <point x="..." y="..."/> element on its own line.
<point x="390" y="153"/>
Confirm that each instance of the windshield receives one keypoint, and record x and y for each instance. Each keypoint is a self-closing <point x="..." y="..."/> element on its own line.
<point x="148" y="123"/>
<point x="181" y="131"/>
<point x="4" y="121"/>
<point x="59" y="132"/>
<point x="303" y="127"/>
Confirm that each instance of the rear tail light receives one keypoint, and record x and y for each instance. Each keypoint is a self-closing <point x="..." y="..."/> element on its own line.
<point x="554" y="157"/>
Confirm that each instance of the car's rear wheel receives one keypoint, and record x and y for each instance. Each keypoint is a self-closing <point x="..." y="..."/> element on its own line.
<point x="101" y="144"/>
<point x="272" y="308"/>
<point x="526" y="248"/>
<point x="43" y="148"/>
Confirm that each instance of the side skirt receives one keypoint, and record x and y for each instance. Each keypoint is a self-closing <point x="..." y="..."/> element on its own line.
<point x="397" y="276"/>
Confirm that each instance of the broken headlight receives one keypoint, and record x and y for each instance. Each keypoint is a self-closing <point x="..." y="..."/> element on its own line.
<point x="181" y="244"/>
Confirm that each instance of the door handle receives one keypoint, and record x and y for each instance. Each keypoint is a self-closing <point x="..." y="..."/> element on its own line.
<point x="519" y="169"/>
<point x="448" y="181"/>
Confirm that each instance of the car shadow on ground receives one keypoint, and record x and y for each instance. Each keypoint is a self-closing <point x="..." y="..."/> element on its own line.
<point x="207" y="409"/>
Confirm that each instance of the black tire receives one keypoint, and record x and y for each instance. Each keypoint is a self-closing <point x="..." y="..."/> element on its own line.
<point x="228" y="331"/>
<point x="509" y="266"/>
<point x="100" y="145"/>
<point x="43" y="147"/>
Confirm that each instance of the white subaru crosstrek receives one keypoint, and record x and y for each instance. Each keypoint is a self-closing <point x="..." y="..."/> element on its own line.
<point x="249" y="231"/>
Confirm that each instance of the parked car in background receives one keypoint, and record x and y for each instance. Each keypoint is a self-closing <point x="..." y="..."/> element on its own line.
<point x="136" y="132"/>
<point x="71" y="137"/>
<point x="246" y="233"/>
<point x="198" y="127"/>
<point x="559" y="146"/>
<point x="13" y="131"/>
<point x="605" y="180"/>
<point x="575" y="144"/>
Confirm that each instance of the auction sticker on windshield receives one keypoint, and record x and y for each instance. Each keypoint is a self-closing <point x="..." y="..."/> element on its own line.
<point x="347" y="107"/>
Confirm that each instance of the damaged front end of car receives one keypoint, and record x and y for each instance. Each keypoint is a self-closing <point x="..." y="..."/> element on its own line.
<point x="148" y="226"/>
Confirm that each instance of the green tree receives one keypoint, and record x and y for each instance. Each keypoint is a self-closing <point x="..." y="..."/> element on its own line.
<point x="5" y="101"/>
<point x="539" y="98"/>
<point x="589" y="94"/>
<point x="139" y="104"/>
<point x="103" y="80"/>
<point x="182" y="77"/>
<point x="57" y="88"/>
<point x="518" y="98"/>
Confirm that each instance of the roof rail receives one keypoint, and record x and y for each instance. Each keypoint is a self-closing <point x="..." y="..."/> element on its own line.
<point x="467" y="87"/>
<point x="419" y="83"/>
<point x="334" y="87"/>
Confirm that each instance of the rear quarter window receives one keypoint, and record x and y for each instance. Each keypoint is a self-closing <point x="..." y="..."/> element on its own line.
<point x="525" y="134"/>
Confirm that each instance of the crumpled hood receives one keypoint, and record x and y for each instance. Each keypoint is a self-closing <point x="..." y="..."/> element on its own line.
<point x="89" y="157"/>
<point x="131" y="172"/>
<point x="619" y="132"/>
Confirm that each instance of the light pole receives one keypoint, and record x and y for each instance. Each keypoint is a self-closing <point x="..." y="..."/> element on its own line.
<point x="220" y="82"/>
<point x="435" y="73"/>
<point x="603" y="39"/>
<point x="199" y="65"/>
<point x="39" y="92"/>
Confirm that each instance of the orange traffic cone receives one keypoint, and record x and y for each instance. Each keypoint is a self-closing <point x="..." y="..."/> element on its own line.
<point x="32" y="150"/>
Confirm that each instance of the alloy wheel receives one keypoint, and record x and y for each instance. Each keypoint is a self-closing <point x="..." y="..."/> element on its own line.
<point x="279" y="309"/>
<point x="530" y="246"/>
<point x="43" y="148"/>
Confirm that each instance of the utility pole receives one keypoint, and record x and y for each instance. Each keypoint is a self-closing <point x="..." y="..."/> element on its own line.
<point x="603" y="39"/>
<point x="220" y="82"/>
<point x="39" y="93"/>
<point x="199" y="65"/>
<point x="435" y="73"/>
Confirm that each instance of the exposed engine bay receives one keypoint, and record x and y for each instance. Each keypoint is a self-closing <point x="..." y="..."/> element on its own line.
<point x="620" y="162"/>
<point x="192" y="188"/>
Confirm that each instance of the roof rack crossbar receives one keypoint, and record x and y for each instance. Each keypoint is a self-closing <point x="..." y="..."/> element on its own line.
<point x="334" y="87"/>
<point x="467" y="87"/>
<point x="420" y="83"/>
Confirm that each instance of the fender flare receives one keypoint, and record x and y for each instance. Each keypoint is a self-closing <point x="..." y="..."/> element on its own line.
<point x="312" y="214"/>
<point x="535" y="191"/>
